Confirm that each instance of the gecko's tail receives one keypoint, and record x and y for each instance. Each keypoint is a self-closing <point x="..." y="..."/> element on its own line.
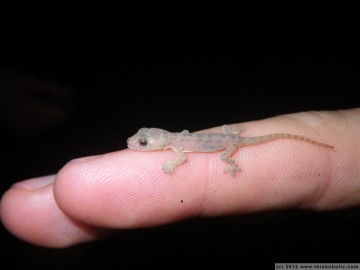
<point x="277" y="136"/>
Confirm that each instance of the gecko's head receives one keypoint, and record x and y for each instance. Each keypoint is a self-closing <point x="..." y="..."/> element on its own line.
<point x="149" y="139"/>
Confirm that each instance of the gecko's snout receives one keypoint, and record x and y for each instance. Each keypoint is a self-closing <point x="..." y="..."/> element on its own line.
<point x="129" y="142"/>
<point x="132" y="143"/>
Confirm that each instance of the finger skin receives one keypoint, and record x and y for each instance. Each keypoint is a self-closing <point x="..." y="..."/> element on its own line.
<point x="101" y="192"/>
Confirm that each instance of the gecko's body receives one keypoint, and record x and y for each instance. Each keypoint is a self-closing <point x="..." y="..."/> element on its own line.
<point x="151" y="139"/>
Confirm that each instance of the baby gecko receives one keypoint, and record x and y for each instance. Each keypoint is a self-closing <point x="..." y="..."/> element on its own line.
<point x="151" y="139"/>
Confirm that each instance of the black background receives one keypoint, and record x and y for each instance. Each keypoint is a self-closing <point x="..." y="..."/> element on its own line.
<point x="175" y="66"/>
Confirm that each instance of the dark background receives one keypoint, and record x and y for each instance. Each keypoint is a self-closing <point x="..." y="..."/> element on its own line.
<point x="77" y="80"/>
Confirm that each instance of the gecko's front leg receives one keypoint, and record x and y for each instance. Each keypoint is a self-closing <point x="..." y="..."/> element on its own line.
<point x="226" y="157"/>
<point x="170" y="165"/>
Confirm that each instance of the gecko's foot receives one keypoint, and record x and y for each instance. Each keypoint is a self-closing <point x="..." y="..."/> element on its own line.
<point x="232" y="168"/>
<point x="168" y="167"/>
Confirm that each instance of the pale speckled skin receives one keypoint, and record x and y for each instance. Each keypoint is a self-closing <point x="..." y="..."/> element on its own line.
<point x="151" y="139"/>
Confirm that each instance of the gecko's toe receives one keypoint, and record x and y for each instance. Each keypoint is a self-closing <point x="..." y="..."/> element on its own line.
<point x="167" y="168"/>
<point x="232" y="169"/>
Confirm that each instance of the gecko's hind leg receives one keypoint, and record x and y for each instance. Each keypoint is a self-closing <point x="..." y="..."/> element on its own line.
<point x="231" y="130"/>
<point x="226" y="157"/>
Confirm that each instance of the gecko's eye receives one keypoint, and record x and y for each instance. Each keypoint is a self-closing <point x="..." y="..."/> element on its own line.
<point x="143" y="142"/>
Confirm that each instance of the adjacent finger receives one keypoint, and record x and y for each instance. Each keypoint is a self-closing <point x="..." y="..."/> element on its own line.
<point x="29" y="211"/>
